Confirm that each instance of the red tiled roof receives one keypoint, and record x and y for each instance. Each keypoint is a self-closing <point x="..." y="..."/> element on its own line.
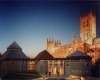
<point x="44" y="55"/>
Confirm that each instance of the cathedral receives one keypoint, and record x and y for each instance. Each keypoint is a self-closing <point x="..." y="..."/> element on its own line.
<point x="73" y="59"/>
<point x="87" y="42"/>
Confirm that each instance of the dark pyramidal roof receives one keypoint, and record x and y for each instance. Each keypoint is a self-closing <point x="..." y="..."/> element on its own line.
<point x="14" y="51"/>
<point x="77" y="55"/>
<point x="14" y="45"/>
<point x="44" y="55"/>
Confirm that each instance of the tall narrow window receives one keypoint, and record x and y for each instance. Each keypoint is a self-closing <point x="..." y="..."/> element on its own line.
<point x="50" y="63"/>
<point x="61" y="63"/>
<point x="87" y="23"/>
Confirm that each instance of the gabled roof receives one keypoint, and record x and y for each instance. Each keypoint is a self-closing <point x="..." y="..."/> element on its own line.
<point x="44" y="55"/>
<point x="14" y="45"/>
<point x="14" y="51"/>
<point x="78" y="55"/>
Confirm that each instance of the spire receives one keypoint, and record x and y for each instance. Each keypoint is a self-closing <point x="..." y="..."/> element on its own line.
<point x="74" y="39"/>
<point x="90" y="11"/>
<point x="52" y="40"/>
<point x="79" y="39"/>
<point x="57" y="42"/>
<point x="47" y="39"/>
<point x="74" y="36"/>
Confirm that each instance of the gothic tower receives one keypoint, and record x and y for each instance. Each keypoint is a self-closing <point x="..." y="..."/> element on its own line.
<point x="88" y="27"/>
<point x="52" y="45"/>
<point x="74" y="41"/>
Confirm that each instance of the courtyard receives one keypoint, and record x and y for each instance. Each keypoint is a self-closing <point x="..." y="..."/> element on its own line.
<point x="36" y="76"/>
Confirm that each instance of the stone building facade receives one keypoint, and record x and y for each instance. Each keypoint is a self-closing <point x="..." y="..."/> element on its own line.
<point x="42" y="60"/>
<point x="56" y="66"/>
<point x="87" y="42"/>
<point x="31" y="65"/>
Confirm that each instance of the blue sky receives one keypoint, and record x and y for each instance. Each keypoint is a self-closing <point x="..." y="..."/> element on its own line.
<point x="30" y="23"/>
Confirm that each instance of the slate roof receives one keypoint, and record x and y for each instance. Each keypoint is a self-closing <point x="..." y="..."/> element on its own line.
<point x="77" y="55"/>
<point x="14" y="51"/>
<point x="44" y="55"/>
<point x="14" y="45"/>
<point x="96" y="41"/>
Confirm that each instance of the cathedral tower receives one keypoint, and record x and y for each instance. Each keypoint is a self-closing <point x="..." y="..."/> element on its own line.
<point x="88" y="27"/>
<point x="52" y="45"/>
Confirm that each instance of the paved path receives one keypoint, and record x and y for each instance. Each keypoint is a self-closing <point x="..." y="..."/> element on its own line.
<point x="67" y="77"/>
<point x="55" y="76"/>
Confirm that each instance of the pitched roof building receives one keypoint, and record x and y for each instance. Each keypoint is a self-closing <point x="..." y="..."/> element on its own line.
<point x="14" y="51"/>
<point x="14" y="60"/>
<point x="44" y="55"/>
<point x="77" y="55"/>
<point x="87" y="41"/>
<point x="78" y="64"/>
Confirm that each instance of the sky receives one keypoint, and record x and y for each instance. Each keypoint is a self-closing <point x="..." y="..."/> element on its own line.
<point x="30" y="23"/>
